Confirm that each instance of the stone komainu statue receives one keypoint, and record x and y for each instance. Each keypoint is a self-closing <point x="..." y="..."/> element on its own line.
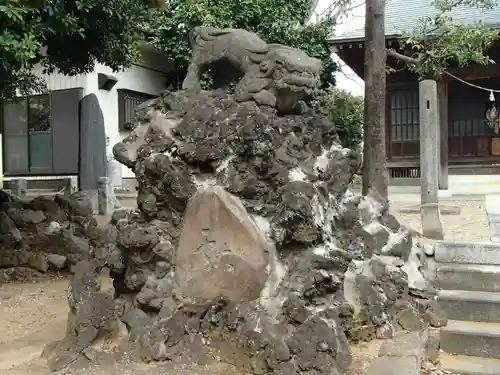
<point x="272" y="74"/>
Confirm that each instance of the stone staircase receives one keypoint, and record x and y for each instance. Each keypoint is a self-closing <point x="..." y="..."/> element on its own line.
<point x="468" y="279"/>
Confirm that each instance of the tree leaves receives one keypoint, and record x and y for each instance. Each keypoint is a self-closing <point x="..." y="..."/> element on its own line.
<point x="346" y="111"/>
<point x="75" y="34"/>
<point x="439" y="41"/>
<point x="71" y="36"/>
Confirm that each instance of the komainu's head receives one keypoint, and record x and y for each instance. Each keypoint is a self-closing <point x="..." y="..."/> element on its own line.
<point x="295" y="74"/>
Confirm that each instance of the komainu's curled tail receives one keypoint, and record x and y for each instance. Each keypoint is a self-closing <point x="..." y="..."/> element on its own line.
<point x="200" y="34"/>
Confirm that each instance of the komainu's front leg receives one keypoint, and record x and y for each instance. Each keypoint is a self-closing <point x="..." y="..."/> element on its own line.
<point x="254" y="88"/>
<point x="192" y="80"/>
<point x="265" y="97"/>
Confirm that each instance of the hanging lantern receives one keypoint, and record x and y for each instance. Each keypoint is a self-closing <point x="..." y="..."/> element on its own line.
<point x="493" y="114"/>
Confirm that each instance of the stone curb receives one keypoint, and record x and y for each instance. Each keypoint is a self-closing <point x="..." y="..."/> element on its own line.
<point x="402" y="355"/>
<point x="443" y="210"/>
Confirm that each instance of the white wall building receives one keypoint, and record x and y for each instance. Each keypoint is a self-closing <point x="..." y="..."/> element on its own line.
<point x="41" y="135"/>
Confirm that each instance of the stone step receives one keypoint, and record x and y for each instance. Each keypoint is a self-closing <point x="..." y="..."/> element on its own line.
<point x="470" y="305"/>
<point x="471" y="339"/>
<point x="476" y="277"/>
<point x="465" y="365"/>
<point x="467" y="252"/>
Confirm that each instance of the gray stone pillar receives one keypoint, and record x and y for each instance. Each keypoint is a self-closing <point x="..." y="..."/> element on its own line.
<point x="105" y="196"/>
<point x="71" y="185"/>
<point x="19" y="187"/>
<point x="429" y="160"/>
<point x="114" y="170"/>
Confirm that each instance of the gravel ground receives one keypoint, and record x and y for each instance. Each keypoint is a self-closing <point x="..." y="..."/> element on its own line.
<point x="33" y="315"/>
<point x="470" y="225"/>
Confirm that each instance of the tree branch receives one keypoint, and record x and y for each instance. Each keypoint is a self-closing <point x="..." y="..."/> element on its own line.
<point x="401" y="57"/>
<point x="338" y="8"/>
<point x="350" y="9"/>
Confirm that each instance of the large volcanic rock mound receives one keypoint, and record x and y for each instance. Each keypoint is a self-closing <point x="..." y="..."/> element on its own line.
<point x="263" y="158"/>
<point x="239" y="250"/>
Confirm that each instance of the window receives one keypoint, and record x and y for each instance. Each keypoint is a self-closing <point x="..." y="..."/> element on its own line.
<point x="467" y="111"/>
<point x="27" y="135"/>
<point x="41" y="134"/>
<point x="128" y="101"/>
<point x="469" y="133"/>
<point x="404" y="123"/>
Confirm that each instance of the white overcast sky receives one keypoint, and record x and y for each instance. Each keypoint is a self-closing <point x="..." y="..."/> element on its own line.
<point x="346" y="78"/>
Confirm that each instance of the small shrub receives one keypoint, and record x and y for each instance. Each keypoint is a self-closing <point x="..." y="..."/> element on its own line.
<point x="345" y="110"/>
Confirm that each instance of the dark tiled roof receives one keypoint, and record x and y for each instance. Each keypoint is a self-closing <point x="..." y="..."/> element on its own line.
<point x="402" y="16"/>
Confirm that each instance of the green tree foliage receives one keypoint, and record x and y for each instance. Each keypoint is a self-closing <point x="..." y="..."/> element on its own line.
<point x="439" y="43"/>
<point x="345" y="110"/>
<point x="278" y="21"/>
<point x="68" y="35"/>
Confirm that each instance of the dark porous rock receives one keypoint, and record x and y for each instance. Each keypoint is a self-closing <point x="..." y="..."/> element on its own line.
<point x="26" y="219"/>
<point x="318" y="345"/>
<point x="91" y="312"/>
<point x="50" y="208"/>
<point x="8" y="229"/>
<point x="137" y="322"/>
<point x="134" y="237"/>
<point x="58" y="262"/>
<point x="375" y="237"/>
<point x="432" y="346"/>
<point x="295" y="309"/>
<point x="385" y="331"/>
<point x="44" y="234"/>
<point x="39" y="262"/>
<point x="379" y="291"/>
<point x="247" y="244"/>
<point x="83" y="226"/>
<point x="77" y="204"/>
<point x="400" y="245"/>
<point x="120" y="214"/>
<point x="112" y="256"/>
<point x="20" y="273"/>
<point x="14" y="257"/>
<point x="75" y="248"/>
<point x="409" y="319"/>
<point x="434" y="315"/>
<point x="391" y="222"/>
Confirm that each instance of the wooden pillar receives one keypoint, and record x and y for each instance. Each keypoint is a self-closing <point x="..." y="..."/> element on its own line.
<point x="442" y="91"/>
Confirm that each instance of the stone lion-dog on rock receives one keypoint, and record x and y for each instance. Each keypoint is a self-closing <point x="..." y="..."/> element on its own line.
<point x="273" y="74"/>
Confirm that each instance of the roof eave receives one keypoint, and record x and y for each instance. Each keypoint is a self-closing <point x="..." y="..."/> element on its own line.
<point x="360" y="39"/>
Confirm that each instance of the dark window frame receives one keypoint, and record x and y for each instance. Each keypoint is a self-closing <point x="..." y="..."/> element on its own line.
<point x="126" y="117"/>
<point x="31" y="170"/>
<point x="467" y="111"/>
<point x="403" y="123"/>
<point x="469" y="135"/>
